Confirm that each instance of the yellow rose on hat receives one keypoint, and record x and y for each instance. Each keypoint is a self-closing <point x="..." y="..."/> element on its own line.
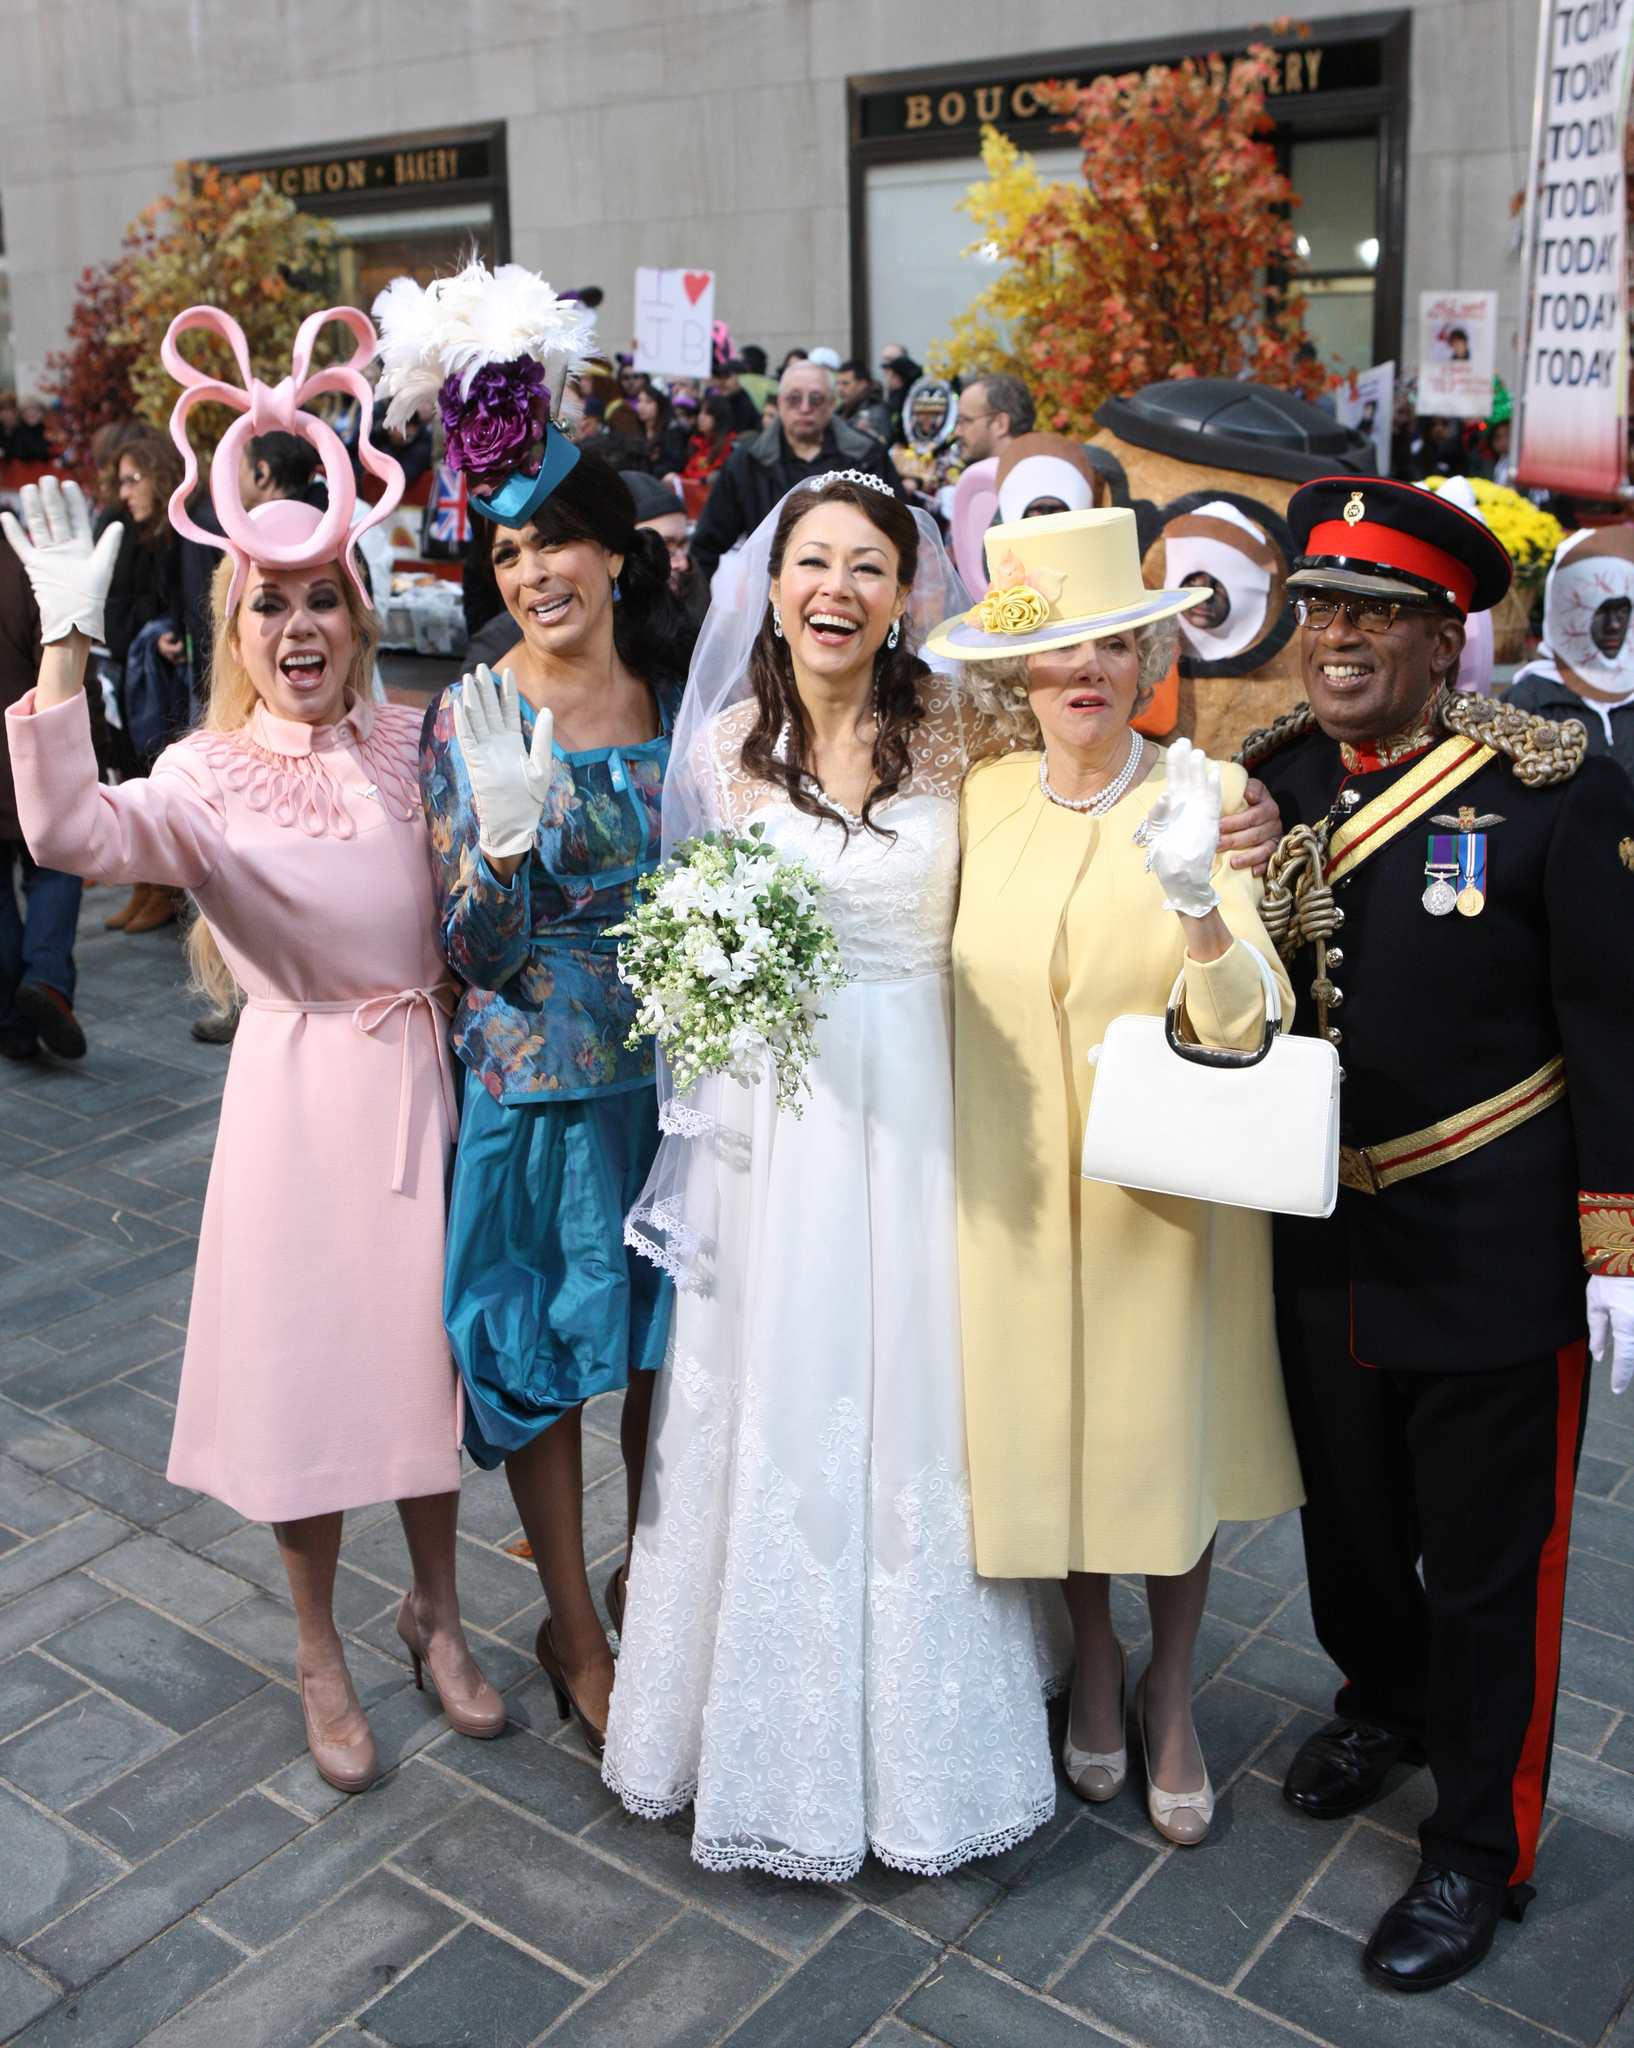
<point x="1012" y="611"/>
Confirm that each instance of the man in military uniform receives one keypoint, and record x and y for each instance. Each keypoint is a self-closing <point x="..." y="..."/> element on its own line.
<point x="1455" y="895"/>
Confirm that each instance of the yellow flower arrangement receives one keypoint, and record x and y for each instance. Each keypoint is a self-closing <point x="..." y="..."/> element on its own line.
<point x="1018" y="610"/>
<point x="1528" y="534"/>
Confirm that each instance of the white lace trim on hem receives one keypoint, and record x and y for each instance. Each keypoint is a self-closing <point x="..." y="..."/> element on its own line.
<point x="643" y="1805"/>
<point x="795" y="1864"/>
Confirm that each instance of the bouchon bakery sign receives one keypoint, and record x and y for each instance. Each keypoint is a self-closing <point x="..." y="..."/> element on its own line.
<point x="357" y="173"/>
<point x="1009" y="102"/>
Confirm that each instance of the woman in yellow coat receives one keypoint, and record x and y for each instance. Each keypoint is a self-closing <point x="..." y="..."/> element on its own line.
<point x="1122" y="1388"/>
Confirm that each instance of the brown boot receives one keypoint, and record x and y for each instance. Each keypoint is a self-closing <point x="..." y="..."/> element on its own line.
<point x="128" y="909"/>
<point x="159" y="909"/>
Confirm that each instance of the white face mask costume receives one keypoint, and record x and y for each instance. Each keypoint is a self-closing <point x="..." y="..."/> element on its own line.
<point x="1043" y="476"/>
<point x="1235" y="617"/>
<point x="1588" y="605"/>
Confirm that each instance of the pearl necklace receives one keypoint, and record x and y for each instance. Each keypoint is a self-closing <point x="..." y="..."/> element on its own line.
<point x="1096" y="806"/>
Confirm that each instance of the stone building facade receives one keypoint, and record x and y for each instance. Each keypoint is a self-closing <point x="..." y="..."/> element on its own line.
<point x="811" y="152"/>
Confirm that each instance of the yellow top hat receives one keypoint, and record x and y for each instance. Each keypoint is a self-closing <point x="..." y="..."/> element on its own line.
<point x="1058" y="581"/>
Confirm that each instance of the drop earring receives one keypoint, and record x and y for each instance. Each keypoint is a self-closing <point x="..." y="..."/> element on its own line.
<point x="777" y="622"/>
<point x="618" y="595"/>
<point x="895" y="633"/>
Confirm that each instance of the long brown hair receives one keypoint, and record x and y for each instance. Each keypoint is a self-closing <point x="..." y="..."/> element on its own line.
<point x="898" y="671"/>
<point x="229" y="708"/>
<point x="156" y="453"/>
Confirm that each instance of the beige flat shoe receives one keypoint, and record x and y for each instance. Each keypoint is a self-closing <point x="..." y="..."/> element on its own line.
<point x="1098" y="1775"/>
<point x="348" y="1766"/>
<point x="1183" y="1818"/>
<point x="483" y="1715"/>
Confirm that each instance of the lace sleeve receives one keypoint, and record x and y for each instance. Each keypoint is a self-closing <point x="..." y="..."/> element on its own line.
<point x="730" y="794"/>
<point x="950" y="739"/>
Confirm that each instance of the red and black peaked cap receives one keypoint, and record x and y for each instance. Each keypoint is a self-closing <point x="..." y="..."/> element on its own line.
<point x="1383" y="539"/>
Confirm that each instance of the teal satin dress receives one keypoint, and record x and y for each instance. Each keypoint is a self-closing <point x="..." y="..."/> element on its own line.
<point x="545" y="1305"/>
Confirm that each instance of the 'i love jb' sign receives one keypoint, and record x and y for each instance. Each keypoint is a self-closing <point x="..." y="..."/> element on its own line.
<point x="674" y="319"/>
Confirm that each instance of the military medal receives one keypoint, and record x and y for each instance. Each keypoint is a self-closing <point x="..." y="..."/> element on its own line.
<point x="1457" y="863"/>
<point x="1441" y="870"/>
<point x="1471" y="873"/>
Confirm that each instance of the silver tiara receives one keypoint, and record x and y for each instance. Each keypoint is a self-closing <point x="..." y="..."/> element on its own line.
<point x="847" y="476"/>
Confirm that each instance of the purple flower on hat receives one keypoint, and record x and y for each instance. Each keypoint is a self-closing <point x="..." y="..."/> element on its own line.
<point x="492" y="425"/>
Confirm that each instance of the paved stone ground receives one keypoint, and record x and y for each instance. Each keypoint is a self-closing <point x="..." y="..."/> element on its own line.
<point x="172" y="1869"/>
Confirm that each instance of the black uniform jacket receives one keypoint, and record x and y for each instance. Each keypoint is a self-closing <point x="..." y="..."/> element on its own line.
<point x="1478" y="1263"/>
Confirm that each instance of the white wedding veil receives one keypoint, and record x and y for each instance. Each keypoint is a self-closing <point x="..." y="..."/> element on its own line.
<point x="673" y="1220"/>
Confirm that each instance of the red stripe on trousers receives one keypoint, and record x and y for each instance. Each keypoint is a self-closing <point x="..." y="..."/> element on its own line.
<point x="1570" y="1363"/>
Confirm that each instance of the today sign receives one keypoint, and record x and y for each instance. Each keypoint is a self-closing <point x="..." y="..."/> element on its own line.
<point x="675" y="320"/>
<point x="1574" y="368"/>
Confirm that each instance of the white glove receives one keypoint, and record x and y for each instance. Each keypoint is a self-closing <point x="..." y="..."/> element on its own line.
<point x="1182" y="831"/>
<point x="509" y="782"/>
<point x="1611" y="1327"/>
<point x="70" y="577"/>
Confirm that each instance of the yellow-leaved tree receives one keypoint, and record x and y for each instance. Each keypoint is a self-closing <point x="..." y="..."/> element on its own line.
<point x="1170" y="259"/>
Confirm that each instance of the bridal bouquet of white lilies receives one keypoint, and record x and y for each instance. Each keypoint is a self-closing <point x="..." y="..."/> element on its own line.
<point x="729" y="957"/>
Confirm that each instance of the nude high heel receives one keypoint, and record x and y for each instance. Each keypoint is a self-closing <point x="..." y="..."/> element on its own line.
<point x="1098" y="1775"/>
<point x="482" y="1716"/>
<point x="348" y="1766"/>
<point x="1183" y="1818"/>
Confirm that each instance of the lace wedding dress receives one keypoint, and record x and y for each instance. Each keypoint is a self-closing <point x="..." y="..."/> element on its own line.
<point x="807" y="1650"/>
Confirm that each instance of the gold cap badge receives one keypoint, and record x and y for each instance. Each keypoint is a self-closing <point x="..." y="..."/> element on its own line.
<point x="1355" y="509"/>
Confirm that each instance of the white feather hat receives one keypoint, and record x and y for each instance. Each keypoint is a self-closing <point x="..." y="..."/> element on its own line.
<point x="458" y="325"/>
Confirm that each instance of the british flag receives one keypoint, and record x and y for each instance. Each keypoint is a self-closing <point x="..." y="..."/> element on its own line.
<point x="450" y="508"/>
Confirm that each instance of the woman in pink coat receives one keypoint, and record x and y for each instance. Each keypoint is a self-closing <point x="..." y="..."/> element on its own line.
<point x="317" y="1374"/>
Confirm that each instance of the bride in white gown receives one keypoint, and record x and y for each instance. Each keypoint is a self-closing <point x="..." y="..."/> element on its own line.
<point x="807" y="1652"/>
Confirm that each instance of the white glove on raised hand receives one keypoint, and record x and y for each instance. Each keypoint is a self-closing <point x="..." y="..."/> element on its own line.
<point x="508" y="781"/>
<point x="1182" y="831"/>
<point x="69" y="575"/>
<point x="1611" y="1327"/>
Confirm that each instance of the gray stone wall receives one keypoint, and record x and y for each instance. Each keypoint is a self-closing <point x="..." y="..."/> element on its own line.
<point x="640" y="131"/>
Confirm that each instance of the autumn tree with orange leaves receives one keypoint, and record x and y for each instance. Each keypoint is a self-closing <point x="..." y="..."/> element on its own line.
<point x="1162" y="263"/>
<point x="216" y="241"/>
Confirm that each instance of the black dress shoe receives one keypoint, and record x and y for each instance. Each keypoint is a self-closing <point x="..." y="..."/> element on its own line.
<point x="18" y="1048"/>
<point x="1342" y="1768"/>
<point x="1441" y="1926"/>
<point x="47" y="1009"/>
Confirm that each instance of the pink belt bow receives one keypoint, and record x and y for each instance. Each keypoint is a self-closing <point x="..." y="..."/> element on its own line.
<point x="434" y="1004"/>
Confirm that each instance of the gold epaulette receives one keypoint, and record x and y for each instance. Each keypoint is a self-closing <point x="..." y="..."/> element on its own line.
<point x="1265" y="739"/>
<point x="1540" y="750"/>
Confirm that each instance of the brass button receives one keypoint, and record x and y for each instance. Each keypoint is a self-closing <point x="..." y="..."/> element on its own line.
<point x="1335" y="957"/>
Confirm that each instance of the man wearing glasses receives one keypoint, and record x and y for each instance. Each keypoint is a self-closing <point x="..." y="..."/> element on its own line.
<point x="804" y="440"/>
<point x="993" y="412"/>
<point x="1456" y="892"/>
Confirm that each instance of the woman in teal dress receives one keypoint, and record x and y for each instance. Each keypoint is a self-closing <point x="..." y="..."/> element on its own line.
<point x="545" y="1307"/>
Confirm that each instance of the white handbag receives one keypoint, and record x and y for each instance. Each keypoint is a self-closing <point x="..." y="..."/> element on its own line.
<point x="1254" y="1130"/>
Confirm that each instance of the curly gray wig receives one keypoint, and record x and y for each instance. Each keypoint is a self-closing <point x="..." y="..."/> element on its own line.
<point x="998" y="689"/>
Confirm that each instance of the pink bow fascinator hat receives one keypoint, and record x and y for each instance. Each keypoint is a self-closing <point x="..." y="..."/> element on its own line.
<point x="282" y="534"/>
